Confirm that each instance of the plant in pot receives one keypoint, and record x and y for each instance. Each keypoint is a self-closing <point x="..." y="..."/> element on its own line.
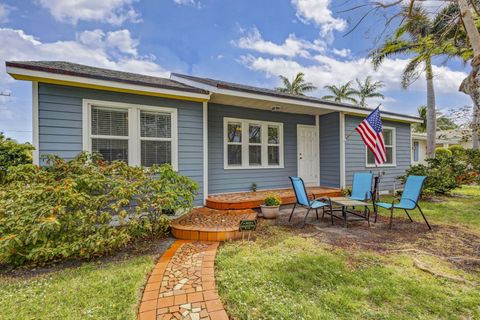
<point x="271" y="206"/>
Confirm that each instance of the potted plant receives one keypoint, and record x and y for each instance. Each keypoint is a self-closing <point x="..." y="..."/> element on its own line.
<point x="270" y="208"/>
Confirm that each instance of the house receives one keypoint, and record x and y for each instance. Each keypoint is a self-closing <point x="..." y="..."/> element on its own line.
<point x="444" y="139"/>
<point x="223" y="135"/>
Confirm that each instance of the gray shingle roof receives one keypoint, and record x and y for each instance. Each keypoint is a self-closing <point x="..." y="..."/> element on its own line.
<point x="80" y="70"/>
<point x="270" y="92"/>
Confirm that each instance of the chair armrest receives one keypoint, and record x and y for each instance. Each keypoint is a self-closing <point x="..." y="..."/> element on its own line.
<point x="323" y="199"/>
<point x="414" y="202"/>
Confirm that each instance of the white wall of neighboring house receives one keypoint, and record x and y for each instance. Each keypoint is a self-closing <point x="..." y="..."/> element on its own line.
<point x="422" y="151"/>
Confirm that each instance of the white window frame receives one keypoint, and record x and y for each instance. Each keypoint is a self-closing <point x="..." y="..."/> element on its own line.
<point x="394" y="151"/>
<point x="246" y="143"/>
<point x="134" y="137"/>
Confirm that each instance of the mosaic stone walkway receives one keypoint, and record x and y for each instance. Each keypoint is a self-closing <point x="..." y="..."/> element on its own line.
<point x="182" y="285"/>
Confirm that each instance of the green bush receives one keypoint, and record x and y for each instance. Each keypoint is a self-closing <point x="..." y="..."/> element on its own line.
<point x="85" y="207"/>
<point x="442" y="152"/>
<point x="272" y="200"/>
<point x="457" y="150"/>
<point x="13" y="153"/>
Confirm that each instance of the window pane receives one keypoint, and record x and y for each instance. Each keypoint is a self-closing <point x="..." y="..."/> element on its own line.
<point x="389" y="155"/>
<point x="254" y="133"/>
<point x="155" y="124"/>
<point x="370" y="157"/>
<point x="234" y="132"/>
<point x="387" y="136"/>
<point x="111" y="149"/>
<point x="255" y="155"/>
<point x="235" y="155"/>
<point x="109" y="122"/>
<point x="273" y="156"/>
<point x="156" y="152"/>
<point x="273" y="135"/>
<point x="416" y="152"/>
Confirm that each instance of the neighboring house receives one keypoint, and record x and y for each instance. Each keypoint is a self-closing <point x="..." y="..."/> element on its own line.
<point x="444" y="139"/>
<point x="223" y="135"/>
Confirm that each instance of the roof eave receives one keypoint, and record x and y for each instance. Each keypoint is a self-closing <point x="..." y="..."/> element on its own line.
<point x="29" y="74"/>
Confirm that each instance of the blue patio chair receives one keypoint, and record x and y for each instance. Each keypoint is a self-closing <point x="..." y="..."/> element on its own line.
<point x="409" y="200"/>
<point x="302" y="200"/>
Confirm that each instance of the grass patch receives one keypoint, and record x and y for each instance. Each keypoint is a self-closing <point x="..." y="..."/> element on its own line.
<point x="92" y="291"/>
<point x="282" y="275"/>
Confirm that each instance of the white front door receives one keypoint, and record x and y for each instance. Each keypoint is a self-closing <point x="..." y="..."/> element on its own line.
<point x="307" y="154"/>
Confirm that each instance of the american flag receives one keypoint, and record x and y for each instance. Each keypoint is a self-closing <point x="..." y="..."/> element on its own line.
<point x="371" y="132"/>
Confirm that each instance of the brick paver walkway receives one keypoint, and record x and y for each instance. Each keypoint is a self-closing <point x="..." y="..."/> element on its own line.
<point x="182" y="285"/>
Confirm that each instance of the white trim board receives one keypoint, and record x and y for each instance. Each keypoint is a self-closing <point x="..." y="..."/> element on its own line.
<point x="35" y="124"/>
<point x="394" y="151"/>
<point x="134" y="138"/>
<point x="205" y="152"/>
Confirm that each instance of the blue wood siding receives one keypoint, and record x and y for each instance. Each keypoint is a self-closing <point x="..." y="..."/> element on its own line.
<point x="60" y="124"/>
<point x="355" y="153"/>
<point x="232" y="180"/>
<point x="330" y="150"/>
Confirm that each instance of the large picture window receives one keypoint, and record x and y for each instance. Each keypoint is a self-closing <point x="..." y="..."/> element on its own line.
<point x="253" y="144"/>
<point x="138" y="135"/>
<point x="389" y="138"/>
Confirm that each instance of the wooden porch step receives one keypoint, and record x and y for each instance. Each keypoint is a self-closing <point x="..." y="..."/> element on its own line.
<point x="251" y="200"/>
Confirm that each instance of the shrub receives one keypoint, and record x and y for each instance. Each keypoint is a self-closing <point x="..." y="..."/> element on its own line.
<point x="442" y="152"/>
<point x="85" y="207"/>
<point x="273" y="200"/>
<point x="457" y="150"/>
<point x="13" y="153"/>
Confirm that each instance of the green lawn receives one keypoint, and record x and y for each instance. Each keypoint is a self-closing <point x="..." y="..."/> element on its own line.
<point x="92" y="291"/>
<point x="282" y="275"/>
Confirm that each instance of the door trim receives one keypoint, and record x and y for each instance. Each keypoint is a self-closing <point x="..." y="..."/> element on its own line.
<point x="317" y="147"/>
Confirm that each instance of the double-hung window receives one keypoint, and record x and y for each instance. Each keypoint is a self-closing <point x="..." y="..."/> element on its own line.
<point x="251" y="144"/>
<point x="138" y="135"/>
<point x="389" y="139"/>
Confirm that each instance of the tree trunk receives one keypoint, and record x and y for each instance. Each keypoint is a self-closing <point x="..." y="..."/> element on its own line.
<point x="431" y="112"/>
<point x="471" y="85"/>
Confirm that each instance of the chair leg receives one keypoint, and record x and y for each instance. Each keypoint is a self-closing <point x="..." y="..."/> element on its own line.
<point x="424" y="218"/>
<point x="411" y="220"/>
<point x="391" y="218"/>
<point x="316" y="211"/>
<point x="323" y="212"/>
<point x="331" y="212"/>
<point x="367" y="211"/>
<point x="291" y="214"/>
<point x="306" y="216"/>
<point x="375" y="209"/>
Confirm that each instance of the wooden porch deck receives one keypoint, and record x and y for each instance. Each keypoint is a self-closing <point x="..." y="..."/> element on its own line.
<point x="251" y="200"/>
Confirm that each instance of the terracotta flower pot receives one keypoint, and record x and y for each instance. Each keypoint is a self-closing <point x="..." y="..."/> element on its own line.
<point x="270" y="212"/>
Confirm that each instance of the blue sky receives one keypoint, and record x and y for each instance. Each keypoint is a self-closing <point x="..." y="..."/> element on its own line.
<point x="242" y="41"/>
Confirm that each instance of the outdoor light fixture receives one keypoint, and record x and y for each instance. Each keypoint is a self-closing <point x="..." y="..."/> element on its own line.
<point x="275" y="108"/>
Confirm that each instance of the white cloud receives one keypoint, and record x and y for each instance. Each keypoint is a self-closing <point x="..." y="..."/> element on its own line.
<point x="318" y="12"/>
<point x="342" y="52"/>
<point x="114" y="12"/>
<point x="192" y="3"/>
<point x="328" y="70"/>
<point x="292" y="46"/>
<point x="4" y="12"/>
<point x="93" y="48"/>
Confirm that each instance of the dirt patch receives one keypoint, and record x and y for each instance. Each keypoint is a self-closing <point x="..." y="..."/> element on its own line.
<point x="458" y="245"/>
<point x="152" y="246"/>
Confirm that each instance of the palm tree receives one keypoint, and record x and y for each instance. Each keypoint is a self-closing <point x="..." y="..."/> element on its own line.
<point x="415" y="37"/>
<point x="422" y="113"/>
<point x="343" y="93"/>
<point x="369" y="89"/>
<point x="297" y="86"/>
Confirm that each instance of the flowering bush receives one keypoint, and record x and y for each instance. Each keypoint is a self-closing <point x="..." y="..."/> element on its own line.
<point x="85" y="207"/>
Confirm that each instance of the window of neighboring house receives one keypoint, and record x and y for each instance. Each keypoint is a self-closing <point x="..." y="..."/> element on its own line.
<point x="389" y="139"/>
<point x="253" y="144"/>
<point x="415" y="151"/>
<point x="135" y="134"/>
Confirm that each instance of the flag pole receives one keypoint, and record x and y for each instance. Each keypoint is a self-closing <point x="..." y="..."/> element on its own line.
<point x="351" y="132"/>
